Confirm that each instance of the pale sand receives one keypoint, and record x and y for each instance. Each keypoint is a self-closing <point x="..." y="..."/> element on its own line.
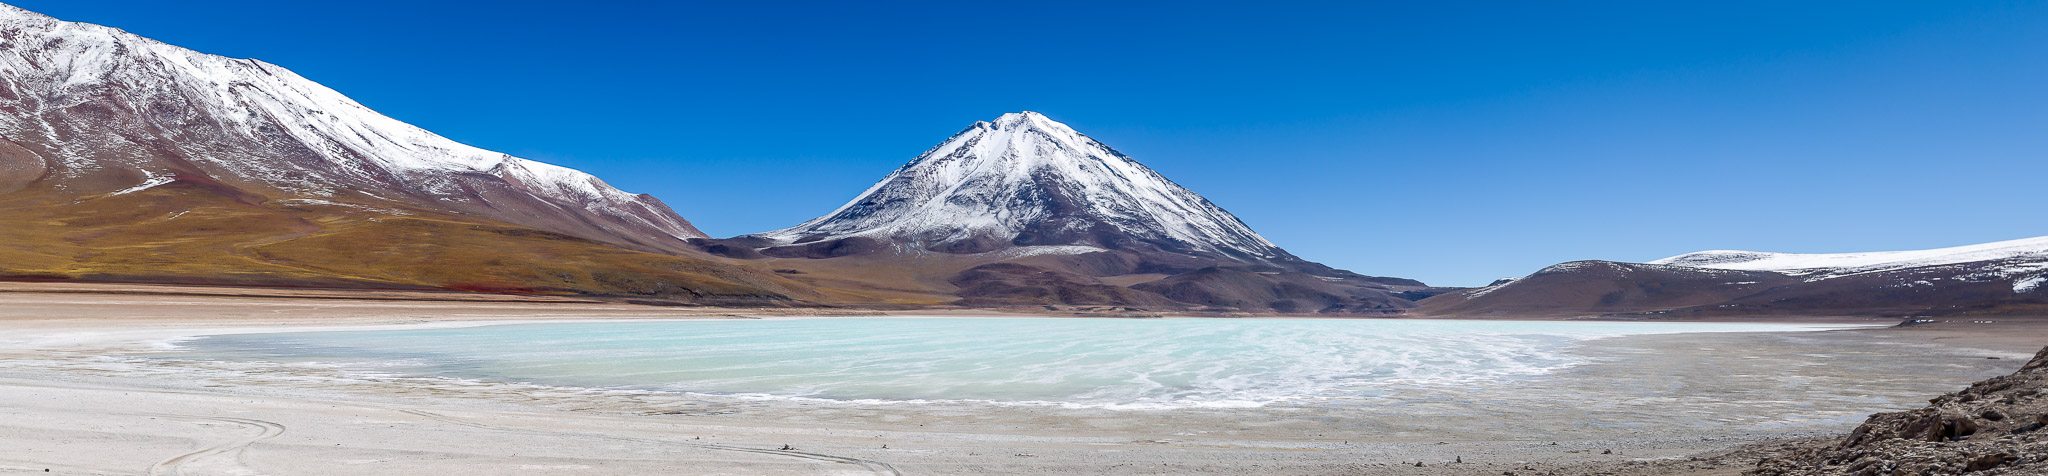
<point x="81" y="393"/>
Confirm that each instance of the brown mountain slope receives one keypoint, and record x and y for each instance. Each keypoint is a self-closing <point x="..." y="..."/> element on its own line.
<point x="196" y="231"/>
<point x="127" y="159"/>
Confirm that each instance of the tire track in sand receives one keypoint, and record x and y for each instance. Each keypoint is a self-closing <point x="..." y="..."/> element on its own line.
<point x="879" y="468"/>
<point x="221" y="458"/>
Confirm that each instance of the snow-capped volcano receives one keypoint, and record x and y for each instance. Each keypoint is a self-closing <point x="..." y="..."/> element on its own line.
<point x="1026" y="180"/>
<point x="1024" y="211"/>
<point x="93" y="110"/>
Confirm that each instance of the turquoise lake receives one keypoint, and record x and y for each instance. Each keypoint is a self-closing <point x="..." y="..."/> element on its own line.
<point x="1110" y="363"/>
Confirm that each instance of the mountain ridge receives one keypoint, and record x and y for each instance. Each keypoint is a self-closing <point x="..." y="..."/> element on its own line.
<point x="1989" y="278"/>
<point x="109" y="111"/>
<point x="2031" y="254"/>
<point x="126" y="159"/>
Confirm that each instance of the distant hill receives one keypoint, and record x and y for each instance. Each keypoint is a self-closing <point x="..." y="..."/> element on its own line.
<point x="1991" y="278"/>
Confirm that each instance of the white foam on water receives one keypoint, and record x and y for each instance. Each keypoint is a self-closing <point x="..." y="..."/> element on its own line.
<point x="1068" y="363"/>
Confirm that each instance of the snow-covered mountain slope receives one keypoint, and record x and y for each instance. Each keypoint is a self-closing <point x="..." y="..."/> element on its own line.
<point x="93" y="110"/>
<point x="2006" y="259"/>
<point x="1026" y="180"/>
<point x="1023" y="211"/>
<point x="2002" y="277"/>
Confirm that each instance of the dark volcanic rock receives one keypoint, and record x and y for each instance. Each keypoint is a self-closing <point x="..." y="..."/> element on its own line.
<point x="726" y="248"/>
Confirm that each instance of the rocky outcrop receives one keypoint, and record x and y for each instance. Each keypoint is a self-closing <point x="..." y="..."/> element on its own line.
<point x="1994" y="427"/>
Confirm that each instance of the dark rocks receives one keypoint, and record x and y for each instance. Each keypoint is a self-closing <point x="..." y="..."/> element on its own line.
<point x="1989" y="461"/>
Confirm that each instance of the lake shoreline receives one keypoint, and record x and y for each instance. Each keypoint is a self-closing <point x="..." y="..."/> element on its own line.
<point x="31" y="292"/>
<point x="74" y="403"/>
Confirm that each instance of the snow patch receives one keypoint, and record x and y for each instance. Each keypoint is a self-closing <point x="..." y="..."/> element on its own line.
<point x="1024" y="251"/>
<point x="2029" y="284"/>
<point x="152" y="182"/>
<point x="1498" y="284"/>
<point x="315" y="201"/>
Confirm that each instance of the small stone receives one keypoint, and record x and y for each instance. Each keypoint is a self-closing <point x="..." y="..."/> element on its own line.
<point x="1992" y="414"/>
<point x="1960" y="427"/>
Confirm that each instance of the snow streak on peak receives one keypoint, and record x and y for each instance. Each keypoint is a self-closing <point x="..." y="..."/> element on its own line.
<point x="1015" y="120"/>
<point x="1026" y="179"/>
<point x="10" y="12"/>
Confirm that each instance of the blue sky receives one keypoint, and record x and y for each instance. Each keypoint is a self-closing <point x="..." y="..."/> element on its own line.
<point x="1453" y="142"/>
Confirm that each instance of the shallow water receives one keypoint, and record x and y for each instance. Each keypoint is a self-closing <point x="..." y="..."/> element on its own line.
<point x="1110" y="363"/>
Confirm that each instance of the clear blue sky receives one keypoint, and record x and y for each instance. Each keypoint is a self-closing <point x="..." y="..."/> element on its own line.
<point x="1453" y="142"/>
